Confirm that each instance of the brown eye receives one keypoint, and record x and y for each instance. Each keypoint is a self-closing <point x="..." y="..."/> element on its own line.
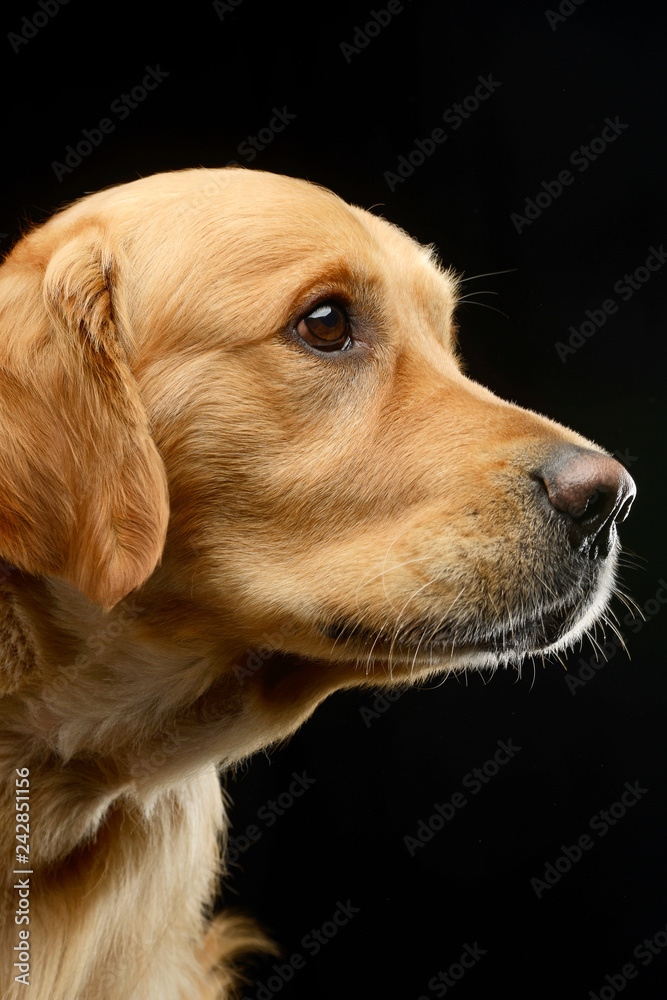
<point x="325" y="328"/>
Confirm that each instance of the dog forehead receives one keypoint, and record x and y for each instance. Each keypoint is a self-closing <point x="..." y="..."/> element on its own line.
<point x="271" y="221"/>
<point x="235" y="250"/>
<point x="239" y="214"/>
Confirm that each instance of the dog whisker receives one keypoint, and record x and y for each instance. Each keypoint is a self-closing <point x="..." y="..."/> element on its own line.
<point x="478" y="291"/>
<point x="631" y="554"/>
<point x="599" y="650"/>
<point x="409" y="600"/>
<point x="488" y="274"/>
<point x="617" y="633"/>
<point x="485" y="305"/>
<point x="630" y="604"/>
<point x="366" y="580"/>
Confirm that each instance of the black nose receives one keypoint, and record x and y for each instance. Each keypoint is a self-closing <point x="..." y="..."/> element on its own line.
<point x="591" y="493"/>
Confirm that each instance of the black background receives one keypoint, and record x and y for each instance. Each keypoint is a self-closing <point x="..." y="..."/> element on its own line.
<point x="376" y="778"/>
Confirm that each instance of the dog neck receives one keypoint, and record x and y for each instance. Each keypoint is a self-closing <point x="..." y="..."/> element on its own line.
<point x="147" y="694"/>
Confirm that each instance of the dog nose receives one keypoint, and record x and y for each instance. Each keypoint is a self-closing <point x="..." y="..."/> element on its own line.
<point x="591" y="493"/>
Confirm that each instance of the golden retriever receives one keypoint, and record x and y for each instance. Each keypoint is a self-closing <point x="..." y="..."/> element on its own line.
<point x="232" y="417"/>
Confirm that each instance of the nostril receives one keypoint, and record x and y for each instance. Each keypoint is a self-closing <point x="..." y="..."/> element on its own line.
<point x="625" y="506"/>
<point x="581" y="501"/>
<point x="592" y="492"/>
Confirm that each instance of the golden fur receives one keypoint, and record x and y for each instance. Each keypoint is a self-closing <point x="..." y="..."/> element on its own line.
<point x="183" y="480"/>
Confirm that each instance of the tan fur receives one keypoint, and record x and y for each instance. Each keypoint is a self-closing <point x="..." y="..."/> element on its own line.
<point x="181" y="482"/>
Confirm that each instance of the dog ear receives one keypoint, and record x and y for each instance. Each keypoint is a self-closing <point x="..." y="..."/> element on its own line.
<point x="83" y="490"/>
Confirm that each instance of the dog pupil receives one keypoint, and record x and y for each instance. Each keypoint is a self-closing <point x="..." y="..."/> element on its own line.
<point x="326" y="321"/>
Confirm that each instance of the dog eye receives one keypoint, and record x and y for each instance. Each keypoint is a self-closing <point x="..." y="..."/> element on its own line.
<point x="325" y="328"/>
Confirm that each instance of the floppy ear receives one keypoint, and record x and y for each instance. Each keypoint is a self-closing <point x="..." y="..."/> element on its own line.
<point x="83" y="490"/>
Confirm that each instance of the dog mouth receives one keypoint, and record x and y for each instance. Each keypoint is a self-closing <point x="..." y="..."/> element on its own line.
<point x="363" y="654"/>
<point x="503" y="628"/>
<point x="352" y="649"/>
<point x="521" y="636"/>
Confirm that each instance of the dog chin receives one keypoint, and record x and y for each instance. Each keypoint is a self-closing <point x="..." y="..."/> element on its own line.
<point x="588" y="617"/>
<point x="547" y="637"/>
<point x="424" y="649"/>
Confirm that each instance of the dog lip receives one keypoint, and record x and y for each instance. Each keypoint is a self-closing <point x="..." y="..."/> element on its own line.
<point x="535" y="633"/>
<point x="283" y="674"/>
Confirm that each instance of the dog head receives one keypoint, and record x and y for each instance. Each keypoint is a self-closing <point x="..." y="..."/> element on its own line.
<point x="243" y="395"/>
